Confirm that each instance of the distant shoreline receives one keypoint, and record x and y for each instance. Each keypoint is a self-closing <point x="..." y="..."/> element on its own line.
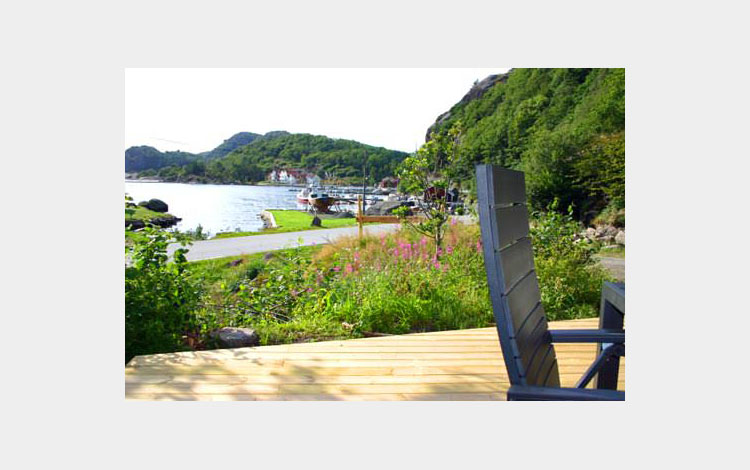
<point x="148" y="180"/>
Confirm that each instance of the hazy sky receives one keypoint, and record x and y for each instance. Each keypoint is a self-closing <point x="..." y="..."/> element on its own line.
<point x="196" y="109"/>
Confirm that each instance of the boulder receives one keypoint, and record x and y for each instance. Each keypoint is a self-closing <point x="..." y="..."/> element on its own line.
<point x="590" y="233"/>
<point x="342" y="215"/>
<point x="385" y="207"/>
<point x="236" y="337"/>
<point x="620" y="238"/>
<point x="156" y="205"/>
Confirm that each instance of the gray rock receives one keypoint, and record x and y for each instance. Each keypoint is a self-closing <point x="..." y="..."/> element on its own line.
<point x="385" y="207"/>
<point x="590" y="233"/>
<point x="607" y="239"/>
<point x="342" y="215"/>
<point x="236" y="337"/>
<point x="620" y="238"/>
<point x="156" y="205"/>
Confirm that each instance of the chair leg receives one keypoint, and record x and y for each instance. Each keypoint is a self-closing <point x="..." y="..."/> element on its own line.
<point x="612" y="352"/>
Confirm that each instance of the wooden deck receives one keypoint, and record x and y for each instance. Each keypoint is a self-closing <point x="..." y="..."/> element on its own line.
<point x="446" y="365"/>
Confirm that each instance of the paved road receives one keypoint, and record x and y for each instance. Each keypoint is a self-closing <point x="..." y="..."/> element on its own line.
<point x="221" y="247"/>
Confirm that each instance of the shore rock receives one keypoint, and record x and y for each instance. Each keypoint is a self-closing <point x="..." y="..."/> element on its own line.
<point x="341" y="215"/>
<point x="156" y="205"/>
<point x="606" y="234"/>
<point x="620" y="238"/>
<point x="236" y="337"/>
<point x="163" y="222"/>
<point x="385" y="207"/>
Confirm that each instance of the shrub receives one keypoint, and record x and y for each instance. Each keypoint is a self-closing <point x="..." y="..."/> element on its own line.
<point x="569" y="279"/>
<point x="160" y="298"/>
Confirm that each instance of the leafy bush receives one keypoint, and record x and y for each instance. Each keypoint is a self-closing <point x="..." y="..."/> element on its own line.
<point x="569" y="279"/>
<point x="160" y="298"/>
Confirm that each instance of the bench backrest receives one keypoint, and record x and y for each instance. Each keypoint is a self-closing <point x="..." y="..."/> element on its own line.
<point x="514" y="289"/>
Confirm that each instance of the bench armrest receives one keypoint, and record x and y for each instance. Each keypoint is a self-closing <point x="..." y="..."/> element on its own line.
<point x="587" y="336"/>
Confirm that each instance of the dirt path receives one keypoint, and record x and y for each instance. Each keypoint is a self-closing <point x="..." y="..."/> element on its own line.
<point x="616" y="266"/>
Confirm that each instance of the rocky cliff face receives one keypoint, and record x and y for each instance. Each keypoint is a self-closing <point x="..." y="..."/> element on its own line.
<point x="474" y="93"/>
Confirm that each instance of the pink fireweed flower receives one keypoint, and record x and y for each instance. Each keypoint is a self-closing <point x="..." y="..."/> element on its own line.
<point x="356" y="256"/>
<point x="454" y="221"/>
<point x="423" y="241"/>
<point x="479" y="246"/>
<point x="336" y="268"/>
<point x="395" y="252"/>
<point x="436" y="264"/>
<point x="349" y="268"/>
<point x="309" y="289"/>
<point x="449" y="249"/>
<point x="439" y="251"/>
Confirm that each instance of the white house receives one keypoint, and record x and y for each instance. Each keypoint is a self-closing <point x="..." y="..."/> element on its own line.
<point x="293" y="176"/>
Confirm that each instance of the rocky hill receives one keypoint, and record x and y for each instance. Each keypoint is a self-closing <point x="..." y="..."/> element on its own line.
<point x="564" y="127"/>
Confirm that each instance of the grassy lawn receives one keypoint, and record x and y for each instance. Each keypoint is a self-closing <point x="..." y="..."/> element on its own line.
<point x="293" y="221"/>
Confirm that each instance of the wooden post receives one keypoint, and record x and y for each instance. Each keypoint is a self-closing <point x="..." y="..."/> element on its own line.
<point x="359" y="214"/>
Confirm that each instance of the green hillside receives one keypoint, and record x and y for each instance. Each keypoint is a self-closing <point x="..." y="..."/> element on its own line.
<point x="143" y="157"/>
<point x="564" y="127"/>
<point x="329" y="158"/>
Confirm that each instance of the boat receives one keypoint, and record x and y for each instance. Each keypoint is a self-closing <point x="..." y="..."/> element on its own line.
<point x="303" y="196"/>
<point x="321" y="202"/>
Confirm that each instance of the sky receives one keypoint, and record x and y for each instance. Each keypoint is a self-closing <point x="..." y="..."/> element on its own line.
<point x="195" y="110"/>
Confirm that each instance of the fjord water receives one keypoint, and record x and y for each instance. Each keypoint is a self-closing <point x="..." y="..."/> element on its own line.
<point x="217" y="208"/>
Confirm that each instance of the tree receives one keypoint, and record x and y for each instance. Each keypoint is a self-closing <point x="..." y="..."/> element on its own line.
<point x="429" y="174"/>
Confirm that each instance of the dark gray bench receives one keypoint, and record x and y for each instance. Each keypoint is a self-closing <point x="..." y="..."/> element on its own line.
<point x="525" y="339"/>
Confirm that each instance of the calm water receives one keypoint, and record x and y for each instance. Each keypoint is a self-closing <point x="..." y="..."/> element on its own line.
<point x="217" y="208"/>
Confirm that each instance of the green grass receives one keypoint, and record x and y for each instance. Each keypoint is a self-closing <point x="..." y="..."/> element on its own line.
<point x="293" y="221"/>
<point x="141" y="213"/>
<point x="615" y="251"/>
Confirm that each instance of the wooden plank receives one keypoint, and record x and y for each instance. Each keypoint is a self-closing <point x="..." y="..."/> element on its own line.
<point x="318" y="397"/>
<point x="451" y="365"/>
<point x="311" y="389"/>
<point x="318" y="379"/>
